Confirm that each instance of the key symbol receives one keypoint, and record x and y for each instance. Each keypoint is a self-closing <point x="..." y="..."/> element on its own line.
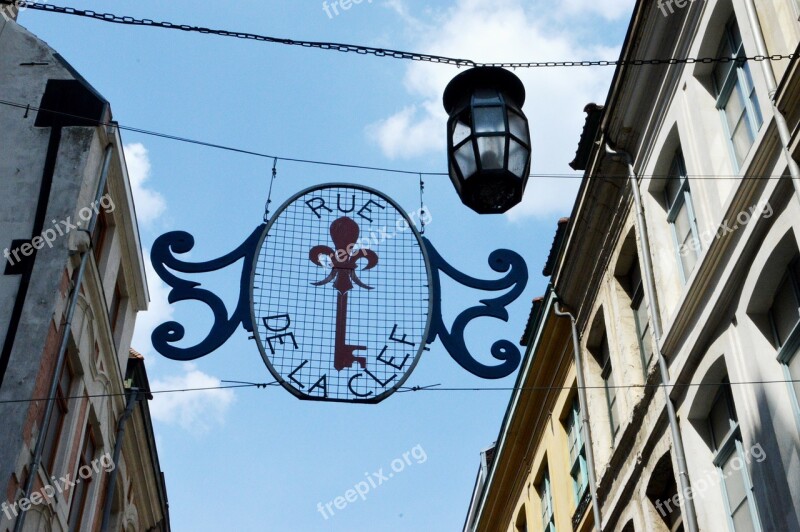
<point x="344" y="233"/>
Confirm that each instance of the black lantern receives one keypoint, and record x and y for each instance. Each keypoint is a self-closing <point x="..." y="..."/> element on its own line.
<point x="488" y="140"/>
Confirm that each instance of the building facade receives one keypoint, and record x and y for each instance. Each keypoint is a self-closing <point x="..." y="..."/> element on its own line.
<point x="73" y="280"/>
<point x="683" y="248"/>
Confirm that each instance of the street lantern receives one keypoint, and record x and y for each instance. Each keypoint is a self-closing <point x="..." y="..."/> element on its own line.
<point x="488" y="140"/>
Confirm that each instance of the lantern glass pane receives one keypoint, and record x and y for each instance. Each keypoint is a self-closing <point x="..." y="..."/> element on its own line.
<point x="460" y="132"/>
<point x="492" y="150"/>
<point x="486" y="96"/>
<point x="488" y="120"/>
<point x="465" y="157"/>
<point x="517" y="158"/>
<point x="518" y="127"/>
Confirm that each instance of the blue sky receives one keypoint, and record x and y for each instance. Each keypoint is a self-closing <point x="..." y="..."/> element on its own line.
<point x="261" y="459"/>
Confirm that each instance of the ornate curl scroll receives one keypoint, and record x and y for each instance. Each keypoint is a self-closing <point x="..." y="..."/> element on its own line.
<point x="501" y="261"/>
<point x="163" y="259"/>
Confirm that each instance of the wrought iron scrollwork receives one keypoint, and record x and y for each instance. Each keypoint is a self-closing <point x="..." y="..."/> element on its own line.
<point x="163" y="259"/>
<point x="501" y="260"/>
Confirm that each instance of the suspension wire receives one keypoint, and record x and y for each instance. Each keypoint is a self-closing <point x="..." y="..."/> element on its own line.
<point x="243" y="151"/>
<point x="377" y="52"/>
<point x="269" y="193"/>
<point x="421" y="206"/>
<point x="426" y="388"/>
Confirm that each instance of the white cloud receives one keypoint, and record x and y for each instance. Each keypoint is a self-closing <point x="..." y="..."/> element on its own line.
<point x="609" y="9"/>
<point x="196" y="412"/>
<point x="149" y="203"/>
<point x="514" y="31"/>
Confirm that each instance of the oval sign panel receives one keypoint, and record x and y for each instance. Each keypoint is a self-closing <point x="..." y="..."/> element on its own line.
<point x="341" y="302"/>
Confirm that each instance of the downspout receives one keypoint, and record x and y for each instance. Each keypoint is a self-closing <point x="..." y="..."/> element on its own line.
<point x="772" y="89"/>
<point x="62" y="348"/>
<point x="587" y="433"/>
<point x="133" y="398"/>
<point x="650" y="294"/>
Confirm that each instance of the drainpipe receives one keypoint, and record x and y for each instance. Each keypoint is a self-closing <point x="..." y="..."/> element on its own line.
<point x="772" y="88"/>
<point x="650" y="294"/>
<point x="133" y="398"/>
<point x="587" y="433"/>
<point x="62" y="348"/>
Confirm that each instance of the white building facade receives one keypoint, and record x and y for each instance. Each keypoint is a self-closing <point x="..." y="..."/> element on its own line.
<point x="721" y="227"/>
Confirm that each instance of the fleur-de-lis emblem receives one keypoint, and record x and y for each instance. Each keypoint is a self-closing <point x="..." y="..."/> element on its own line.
<point x="344" y="258"/>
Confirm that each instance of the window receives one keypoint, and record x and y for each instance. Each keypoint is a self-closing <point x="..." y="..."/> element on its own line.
<point x="99" y="236"/>
<point x="607" y="374"/>
<point x="546" y="497"/>
<point x="116" y="302"/>
<point x="81" y="490"/>
<point x="577" y="452"/>
<point x="736" y="94"/>
<point x="640" y="317"/>
<point x="681" y="217"/>
<point x="730" y="461"/>
<point x="58" y="419"/>
<point x="784" y="317"/>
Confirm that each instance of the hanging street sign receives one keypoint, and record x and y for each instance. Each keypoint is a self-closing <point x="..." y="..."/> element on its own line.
<point x="341" y="294"/>
<point x="334" y="319"/>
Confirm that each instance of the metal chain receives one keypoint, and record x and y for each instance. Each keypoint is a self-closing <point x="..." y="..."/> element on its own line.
<point x="379" y="52"/>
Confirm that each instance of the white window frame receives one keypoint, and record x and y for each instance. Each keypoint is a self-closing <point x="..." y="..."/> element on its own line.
<point x="729" y="444"/>
<point x="737" y="79"/>
<point x="791" y="346"/>
<point x="681" y="199"/>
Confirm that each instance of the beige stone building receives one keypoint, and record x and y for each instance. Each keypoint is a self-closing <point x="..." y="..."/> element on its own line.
<point x="690" y="256"/>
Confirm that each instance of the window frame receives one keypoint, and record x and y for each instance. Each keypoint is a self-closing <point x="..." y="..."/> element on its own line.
<point x="791" y="347"/>
<point x="606" y="372"/>
<point x="51" y="447"/>
<point x="577" y="465"/>
<point x="729" y="444"/>
<point x="83" y="489"/>
<point x="636" y="302"/>
<point x="737" y="78"/>
<point x="674" y="206"/>
<point x="545" y="491"/>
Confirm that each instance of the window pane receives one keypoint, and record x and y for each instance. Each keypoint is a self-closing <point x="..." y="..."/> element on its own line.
<point x="643" y="324"/>
<point x="493" y="151"/>
<point x="465" y="157"/>
<point x="757" y="118"/>
<point x="734" y="108"/>
<point x="794" y="372"/>
<point x="742" y="521"/>
<point x="734" y="481"/>
<point x="719" y="420"/>
<point x="517" y="126"/>
<point x="489" y="120"/>
<point x="674" y="185"/>
<point x="742" y="139"/>
<point x="784" y="312"/>
<point x="460" y="132"/>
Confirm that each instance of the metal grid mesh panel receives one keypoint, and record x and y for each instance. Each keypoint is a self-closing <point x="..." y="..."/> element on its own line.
<point x="303" y="328"/>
